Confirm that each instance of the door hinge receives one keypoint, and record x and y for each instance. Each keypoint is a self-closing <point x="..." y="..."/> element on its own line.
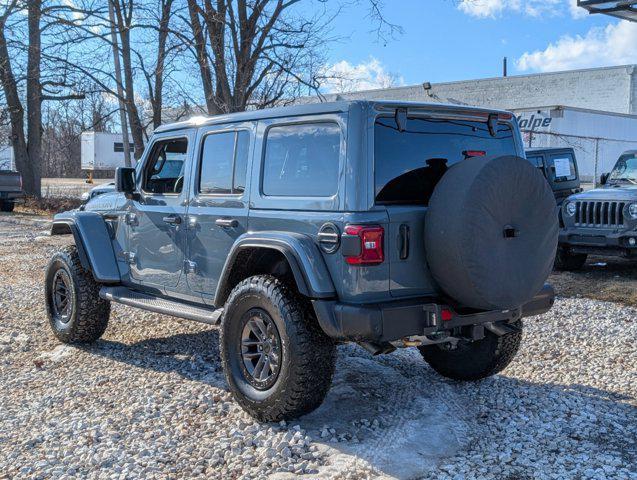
<point x="129" y="257"/>
<point x="190" y="266"/>
<point x="131" y="219"/>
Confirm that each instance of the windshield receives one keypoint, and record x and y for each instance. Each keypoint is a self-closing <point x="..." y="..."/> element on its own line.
<point x="409" y="163"/>
<point x="625" y="170"/>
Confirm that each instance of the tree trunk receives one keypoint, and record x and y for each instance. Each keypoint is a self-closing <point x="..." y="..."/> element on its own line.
<point x="14" y="105"/>
<point x="32" y="182"/>
<point x="161" y="57"/>
<point x="137" y="129"/>
<point x="202" y="58"/>
<point x="120" y="90"/>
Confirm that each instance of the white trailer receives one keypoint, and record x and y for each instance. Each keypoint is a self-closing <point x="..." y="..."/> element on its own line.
<point x="102" y="151"/>
<point x="598" y="138"/>
<point x="7" y="161"/>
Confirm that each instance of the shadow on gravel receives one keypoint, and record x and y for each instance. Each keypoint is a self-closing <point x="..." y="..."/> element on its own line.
<point x="394" y="412"/>
<point x="194" y="356"/>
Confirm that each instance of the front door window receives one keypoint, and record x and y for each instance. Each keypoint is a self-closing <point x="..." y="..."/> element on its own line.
<point x="164" y="173"/>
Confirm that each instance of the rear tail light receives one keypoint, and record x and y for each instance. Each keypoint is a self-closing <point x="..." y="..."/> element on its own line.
<point x="474" y="153"/>
<point x="446" y="314"/>
<point x="363" y="245"/>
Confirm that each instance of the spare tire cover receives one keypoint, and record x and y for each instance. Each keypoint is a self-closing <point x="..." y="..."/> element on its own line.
<point x="491" y="232"/>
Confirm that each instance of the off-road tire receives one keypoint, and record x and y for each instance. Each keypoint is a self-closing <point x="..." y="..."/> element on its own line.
<point x="307" y="354"/>
<point x="474" y="360"/>
<point x="89" y="313"/>
<point x="6" y="206"/>
<point x="567" y="261"/>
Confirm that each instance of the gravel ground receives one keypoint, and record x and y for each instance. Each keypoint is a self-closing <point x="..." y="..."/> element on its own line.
<point x="149" y="399"/>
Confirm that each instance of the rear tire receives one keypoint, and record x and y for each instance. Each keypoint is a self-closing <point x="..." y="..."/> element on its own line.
<point x="474" y="360"/>
<point x="567" y="261"/>
<point x="6" y="206"/>
<point x="76" y="312"/>
<point x="300" y="358"/>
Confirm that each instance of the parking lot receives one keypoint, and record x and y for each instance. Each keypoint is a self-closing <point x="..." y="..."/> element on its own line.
<point x="150" y="400"/>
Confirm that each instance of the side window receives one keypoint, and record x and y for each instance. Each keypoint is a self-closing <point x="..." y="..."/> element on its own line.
<point x="224" y="160"/>
<point x="562" y="167"/>
<point x="164" y="172"/>
<point x="302" y="160"/>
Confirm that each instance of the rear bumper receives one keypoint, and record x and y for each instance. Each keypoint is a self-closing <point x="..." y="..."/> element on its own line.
<point x="395" y="320"/>
<point x="11" y="196"/>
<point x="599" y="242"/>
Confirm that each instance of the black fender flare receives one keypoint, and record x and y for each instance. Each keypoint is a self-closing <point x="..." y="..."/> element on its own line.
<point x="93" y="242"/>
<point x="302" y="254"/>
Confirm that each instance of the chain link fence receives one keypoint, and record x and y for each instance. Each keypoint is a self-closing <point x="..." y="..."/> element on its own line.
<point x="595" y="155"/>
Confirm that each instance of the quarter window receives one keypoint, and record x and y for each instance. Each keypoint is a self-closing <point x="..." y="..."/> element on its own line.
<point x="224" y="162"/>
<point x="302" y="160"/>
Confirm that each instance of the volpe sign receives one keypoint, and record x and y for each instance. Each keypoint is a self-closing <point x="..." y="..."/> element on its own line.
<point x="534" y="122"/>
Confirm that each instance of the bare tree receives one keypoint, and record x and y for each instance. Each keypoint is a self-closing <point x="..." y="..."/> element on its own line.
<point x="14" y="104"/>
<point x="43" y="19"/>
<point x="254" y="53"/>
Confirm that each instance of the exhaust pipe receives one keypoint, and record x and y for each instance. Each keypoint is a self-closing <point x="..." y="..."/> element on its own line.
<point x="377" y="348"/>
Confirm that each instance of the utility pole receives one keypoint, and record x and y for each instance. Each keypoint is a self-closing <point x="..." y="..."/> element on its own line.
<point x="120" y="89"/>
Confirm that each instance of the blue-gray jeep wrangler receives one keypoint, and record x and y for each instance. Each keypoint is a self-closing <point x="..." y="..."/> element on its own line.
<point x="382" y="223"/>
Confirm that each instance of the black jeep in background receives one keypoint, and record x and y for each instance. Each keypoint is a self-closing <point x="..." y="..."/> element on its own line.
<point x="559" y="167"/>
<point x="10" y="189"/>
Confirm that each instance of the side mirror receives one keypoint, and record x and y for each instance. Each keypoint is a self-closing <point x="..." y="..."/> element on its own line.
<point x="125" y="180"/>
<point x="603" y="179"/>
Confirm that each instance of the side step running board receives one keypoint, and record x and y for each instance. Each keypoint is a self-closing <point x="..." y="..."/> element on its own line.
<point x="156" y="304"/>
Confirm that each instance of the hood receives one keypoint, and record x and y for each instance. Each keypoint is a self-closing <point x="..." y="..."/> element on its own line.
<point x="624" y="192"/>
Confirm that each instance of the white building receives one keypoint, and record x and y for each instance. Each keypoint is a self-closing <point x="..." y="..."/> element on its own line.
<point x="592" y="110"/>
<point x="598" y="138"/>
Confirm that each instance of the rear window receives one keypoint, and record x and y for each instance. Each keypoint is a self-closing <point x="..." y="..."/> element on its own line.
<point x="302" y="160"/>
<point x="409" y="164"/>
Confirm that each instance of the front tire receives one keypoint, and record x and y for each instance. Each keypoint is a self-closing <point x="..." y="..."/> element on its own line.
<point x="567" y="261"/>
<point x="6" y="206"/>
<point x="474" y="360"/>
<point x="277" y="361"/>
<point x="76" y="312"/>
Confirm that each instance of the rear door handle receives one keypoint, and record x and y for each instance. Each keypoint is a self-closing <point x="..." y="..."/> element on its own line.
<point x="227" y="222"/>
<point x="404" y="242"/>
<point x="173" y="219"/>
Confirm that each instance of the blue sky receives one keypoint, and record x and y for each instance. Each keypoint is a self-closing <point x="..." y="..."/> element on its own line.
<point x="446" y="40"/>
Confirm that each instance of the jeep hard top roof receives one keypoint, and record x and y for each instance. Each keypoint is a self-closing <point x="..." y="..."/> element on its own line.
<point x="548" y="149"/>
<point x="318" y="108"/>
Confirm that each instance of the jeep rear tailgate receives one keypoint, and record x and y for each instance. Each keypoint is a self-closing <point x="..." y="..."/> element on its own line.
<point x="409" y="161"/>
<point x="10" y="181"/>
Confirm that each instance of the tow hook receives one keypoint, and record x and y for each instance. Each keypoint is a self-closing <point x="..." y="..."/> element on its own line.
<point x="500" y="328"/>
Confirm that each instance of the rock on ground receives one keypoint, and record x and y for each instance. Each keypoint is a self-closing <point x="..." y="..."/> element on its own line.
<point x="149" y="399"/>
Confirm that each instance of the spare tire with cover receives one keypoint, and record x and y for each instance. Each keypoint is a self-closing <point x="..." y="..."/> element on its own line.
<point x="491" y="232"/>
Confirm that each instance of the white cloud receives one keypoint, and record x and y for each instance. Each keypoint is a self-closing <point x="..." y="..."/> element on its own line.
<point x="495" y="8"/>
<point x="346" y="77"/>
<point x="611" y="45"/>
<point x="531" y="8"/>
